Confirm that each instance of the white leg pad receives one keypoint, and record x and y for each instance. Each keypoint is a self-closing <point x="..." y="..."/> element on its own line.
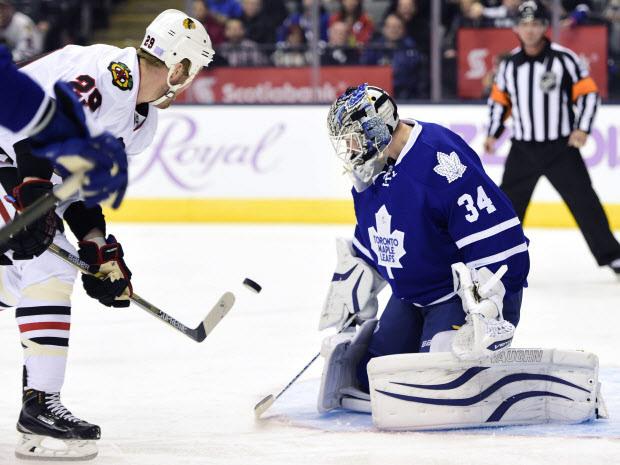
<point x="515" y="387"/>
<point x="342" y="352"/>
<point x="35" y="447"/>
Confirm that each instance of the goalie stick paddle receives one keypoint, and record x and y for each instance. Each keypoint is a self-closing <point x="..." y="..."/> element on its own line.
<point x="198" y="334"/>
<point x="41" y="206"/>
<point x="268" y="401"/>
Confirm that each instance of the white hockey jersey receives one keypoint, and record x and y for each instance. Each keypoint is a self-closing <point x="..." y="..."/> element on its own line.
<point x="106" y="79"/>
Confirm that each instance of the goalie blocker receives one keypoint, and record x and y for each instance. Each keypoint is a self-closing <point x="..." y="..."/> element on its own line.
<point x="439" y="391"/>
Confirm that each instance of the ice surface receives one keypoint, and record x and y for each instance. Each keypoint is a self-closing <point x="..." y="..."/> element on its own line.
<point x="162" y="399"/>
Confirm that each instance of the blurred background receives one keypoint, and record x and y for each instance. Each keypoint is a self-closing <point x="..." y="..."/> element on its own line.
<point x="248" y="141"/>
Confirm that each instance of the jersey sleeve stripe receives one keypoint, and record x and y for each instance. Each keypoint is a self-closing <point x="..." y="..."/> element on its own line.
<point x="358" y="245"/>
<point x="499" y="96"/>
<point x="498" y="257"/>
<point x="492" y="231"/>
<point x="583" y="87"/>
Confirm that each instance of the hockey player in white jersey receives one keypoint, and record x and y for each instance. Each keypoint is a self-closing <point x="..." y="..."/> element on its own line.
<point x="122" y="89"/>
<point x="61" y="132"/>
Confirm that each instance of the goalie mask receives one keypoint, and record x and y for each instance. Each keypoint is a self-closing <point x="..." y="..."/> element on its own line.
<point x="173" y="37"/>
<point x="361" y="123"/>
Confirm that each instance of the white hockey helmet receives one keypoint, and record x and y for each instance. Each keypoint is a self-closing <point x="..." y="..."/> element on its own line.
<point x="360" y="124"/>
<point x="172" y="37"/>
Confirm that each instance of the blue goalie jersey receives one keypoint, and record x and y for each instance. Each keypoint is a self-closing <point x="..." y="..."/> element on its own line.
<point x="433" y="207"/>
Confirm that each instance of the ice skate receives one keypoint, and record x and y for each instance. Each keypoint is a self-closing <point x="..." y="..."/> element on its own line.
<point x="50" y="432"/>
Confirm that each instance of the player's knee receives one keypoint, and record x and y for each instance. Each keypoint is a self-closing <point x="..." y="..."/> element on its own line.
<point x="55" y="290"/>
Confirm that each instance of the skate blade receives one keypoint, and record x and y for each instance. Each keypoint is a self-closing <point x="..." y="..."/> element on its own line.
<point x="34" y="447"/>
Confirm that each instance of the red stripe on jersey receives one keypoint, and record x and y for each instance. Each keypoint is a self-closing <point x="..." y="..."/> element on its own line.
<point x="44" y="325"/>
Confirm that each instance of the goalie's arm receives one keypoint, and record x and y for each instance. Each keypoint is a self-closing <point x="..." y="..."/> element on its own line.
<point x="486" y="230"/>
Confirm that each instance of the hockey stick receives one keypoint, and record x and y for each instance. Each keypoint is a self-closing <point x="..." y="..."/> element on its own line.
<point x="41" y="206"/>
<point x="268" y="401"/>
<point x="198" y="334"/>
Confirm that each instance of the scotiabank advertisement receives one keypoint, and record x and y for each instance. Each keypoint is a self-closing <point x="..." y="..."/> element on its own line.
<point x="285" y="85"/>
<point x="478" y="49"/>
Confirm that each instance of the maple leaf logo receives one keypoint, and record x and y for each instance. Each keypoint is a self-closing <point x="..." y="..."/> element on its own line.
<point x="449" y="166"/>
<point x="388" y="246"/>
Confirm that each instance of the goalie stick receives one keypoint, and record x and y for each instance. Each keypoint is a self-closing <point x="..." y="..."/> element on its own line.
<point x="198" y="334"/>
<point x="268" y="401"/>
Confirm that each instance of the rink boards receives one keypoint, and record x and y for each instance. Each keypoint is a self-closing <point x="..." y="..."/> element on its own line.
<point x="275" y="164"/>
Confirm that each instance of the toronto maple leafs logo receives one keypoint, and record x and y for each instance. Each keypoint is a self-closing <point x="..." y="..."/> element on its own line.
<point x="449" y="166"/>
<point x="387" y="245"/>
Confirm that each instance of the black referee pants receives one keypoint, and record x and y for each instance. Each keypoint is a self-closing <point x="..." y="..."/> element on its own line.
<point x="565" y="169"/>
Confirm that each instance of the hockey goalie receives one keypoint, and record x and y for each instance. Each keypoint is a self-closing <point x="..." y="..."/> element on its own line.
<point x="434" y="227"/>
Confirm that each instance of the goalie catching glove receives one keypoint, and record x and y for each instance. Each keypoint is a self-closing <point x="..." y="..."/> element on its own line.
<point x="353" y="290"/>
<point x="106" y="260"/>
<point x="485" y="331"/>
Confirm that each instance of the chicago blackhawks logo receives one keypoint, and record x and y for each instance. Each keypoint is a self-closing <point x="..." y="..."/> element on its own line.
<point x="388" y="246"/>
<point x="121" y="75"/>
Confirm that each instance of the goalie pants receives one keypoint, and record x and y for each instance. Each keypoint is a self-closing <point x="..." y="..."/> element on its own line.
<point x="40" y="290"/>
<point x="405" y="328"/>
<point x="566" y="171"/>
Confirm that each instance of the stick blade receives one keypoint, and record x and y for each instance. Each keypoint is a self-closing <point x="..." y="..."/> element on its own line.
<point x="219" y="311"/>
<point x="263" y="406"/>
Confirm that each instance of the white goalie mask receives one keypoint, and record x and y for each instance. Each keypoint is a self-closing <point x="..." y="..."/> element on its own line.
<point x="360" y="124"/>
<point x="172" y="37"/>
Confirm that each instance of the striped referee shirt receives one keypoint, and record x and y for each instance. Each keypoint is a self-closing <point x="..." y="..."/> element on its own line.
<point x="548" y="95"/>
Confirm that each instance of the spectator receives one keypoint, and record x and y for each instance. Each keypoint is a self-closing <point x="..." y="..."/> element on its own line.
<point x="504" y="15"/>
<point x="575" y="12"/>
<point x="612" y="15"/>
<point x="394" y="48"/>
<point x="19" y="33"/>
<point x="360" y="25"/>
<point x="469" y="15"/>
<point x="224" y="9"/>
<point x="258" y="23"/>
<point x="56" y="23"/>
<point x="416" y="16"/>
<point x="237" y="50"/>
<point x="338" y="51"/>
<point x="200" y="11"/>
<point x="293" y="52"/>
<point x="303" y="19"/>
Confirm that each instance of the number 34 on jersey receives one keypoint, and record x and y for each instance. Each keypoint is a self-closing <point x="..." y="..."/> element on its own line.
<point x="482" y="203"/>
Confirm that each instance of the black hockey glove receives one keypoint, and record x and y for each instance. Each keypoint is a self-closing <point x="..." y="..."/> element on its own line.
<point x="115" y="289"/>
<point x="35" y="238"/>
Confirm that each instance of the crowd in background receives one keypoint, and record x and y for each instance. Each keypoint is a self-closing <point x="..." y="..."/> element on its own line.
<point x="278" y="32"/>
<point x="32" y="27"/>
<point x="354" y="32"/>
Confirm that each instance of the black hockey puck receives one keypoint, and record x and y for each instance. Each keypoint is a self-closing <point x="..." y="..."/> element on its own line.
<point x="252" y="285"/>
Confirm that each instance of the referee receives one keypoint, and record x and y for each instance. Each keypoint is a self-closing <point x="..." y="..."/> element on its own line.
<point x="552" y="100"/>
